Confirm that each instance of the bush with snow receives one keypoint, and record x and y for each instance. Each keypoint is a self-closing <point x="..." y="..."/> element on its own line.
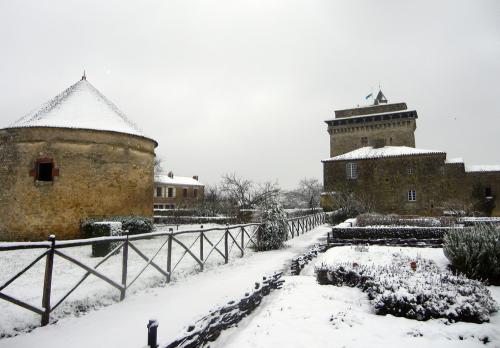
<point x="102" y="229"/>
<point x="132" y="224"/>
<point x="389" y="232"/>
<point x="424" y="293"/>
<point x="273" y="231"/>
<point x="372" y="219"/>
<point x="475" y="251"/>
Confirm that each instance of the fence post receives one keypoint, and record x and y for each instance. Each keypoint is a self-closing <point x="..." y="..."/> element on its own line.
<point x="47" y="282"/>
<point x="226" y="244"/>
<point x="169" y="255"/>
<point x="202" y="236"/>
<point x="152" y="333"/>
<point x="242" y="241"/>
<point x="124" y="267"/>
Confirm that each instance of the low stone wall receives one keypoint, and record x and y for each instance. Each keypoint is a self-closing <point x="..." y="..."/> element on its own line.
<point x="208" y="328"/>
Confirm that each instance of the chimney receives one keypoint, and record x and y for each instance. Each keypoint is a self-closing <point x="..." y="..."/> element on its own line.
<point x="195" y="177"/>
<point x="171" y="174"/>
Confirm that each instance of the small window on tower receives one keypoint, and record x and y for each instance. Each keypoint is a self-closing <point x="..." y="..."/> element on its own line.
<point x="44" y="171"/>
<point x="487" y="192"/>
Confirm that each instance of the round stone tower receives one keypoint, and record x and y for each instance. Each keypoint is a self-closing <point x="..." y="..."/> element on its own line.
<point x="76" y="157"/>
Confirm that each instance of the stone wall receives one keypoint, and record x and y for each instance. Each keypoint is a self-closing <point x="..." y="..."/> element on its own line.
<point x="384" y="183"/>
<point x="344" y="139"/>
<point x="101" y="174"/>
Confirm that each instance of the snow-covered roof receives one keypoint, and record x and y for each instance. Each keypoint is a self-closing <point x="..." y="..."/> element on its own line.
<point x="483" y="168"/>
<point x="369" y="115"/>
<point x="386" y="151"/>
<point x="80" y="106"/>
<point x="455" y="160"/>
<point x="164" y="178"/>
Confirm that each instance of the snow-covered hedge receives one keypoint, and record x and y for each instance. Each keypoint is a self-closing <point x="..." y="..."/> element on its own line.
<point x="424" y="293"/>
<point x="475" y="251"/>
<point x="405" y="220"/>
<point x="133" y="224"/>
<point x="272" y="233"/>
<point x="389" y="232"/>
<point x="102" y="229"/>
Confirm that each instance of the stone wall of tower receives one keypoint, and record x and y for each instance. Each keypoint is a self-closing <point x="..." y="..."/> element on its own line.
<point x="346" y="138"/>
<point x="100" y="174"/>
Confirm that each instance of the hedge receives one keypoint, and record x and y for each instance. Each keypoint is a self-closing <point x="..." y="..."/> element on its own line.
<point x="389" y="232"/>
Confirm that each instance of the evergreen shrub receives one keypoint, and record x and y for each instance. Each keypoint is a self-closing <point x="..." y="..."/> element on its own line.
<point x="273" y="231"/>
<point x="93" y="229"/>
<point x="475" y="251"/>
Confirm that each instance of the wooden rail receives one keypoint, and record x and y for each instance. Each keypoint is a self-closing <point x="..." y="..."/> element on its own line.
<point x="242" y="236"/>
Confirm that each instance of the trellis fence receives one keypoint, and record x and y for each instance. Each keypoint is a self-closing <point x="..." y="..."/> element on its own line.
<point x="203" y="247"/>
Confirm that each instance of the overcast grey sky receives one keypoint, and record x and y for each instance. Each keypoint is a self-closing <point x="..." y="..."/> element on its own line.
<point x="244" y="86"/>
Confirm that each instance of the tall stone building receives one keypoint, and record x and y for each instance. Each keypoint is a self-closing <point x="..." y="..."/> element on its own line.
<point x="373" y="157"/>
<point x="76" y="157"/>
<point x="375" y="125"/>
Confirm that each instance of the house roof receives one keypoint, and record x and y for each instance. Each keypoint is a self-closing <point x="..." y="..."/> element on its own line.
<point x="369" y="152"/>
<point x="483" y="168"/>
<point x="81" y="106"/>
<point x="164" y="178"/>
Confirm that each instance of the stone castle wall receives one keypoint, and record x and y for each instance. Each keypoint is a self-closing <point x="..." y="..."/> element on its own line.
<point x="347" y="138"/>
<point x="384" y="183"/>
<point x="101" y="174"/>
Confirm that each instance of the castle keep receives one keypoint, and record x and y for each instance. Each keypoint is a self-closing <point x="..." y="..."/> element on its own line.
<point x="373" y="158"/>
<point x="76" y="157"/>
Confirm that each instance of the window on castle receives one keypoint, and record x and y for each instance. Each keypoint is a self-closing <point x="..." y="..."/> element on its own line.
<point x="487" y="192"/>
<point x="409" y="170"/>
<point x="364" y="141"/>
<point x="158" y="191"/>
<point x="351" y="170"/>
<point x="44" y="171"/>
<point x="412" y="195"/>
<point x="170" y="192"/>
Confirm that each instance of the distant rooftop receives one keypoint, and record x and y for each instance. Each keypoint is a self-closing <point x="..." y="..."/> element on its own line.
<point x="483" y="168"/>
<point x="171" y="179"/>
<point x="369" y="152"/>
<point x="81" y="106"/>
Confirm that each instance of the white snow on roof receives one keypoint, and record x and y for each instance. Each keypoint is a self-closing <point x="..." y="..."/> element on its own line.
<point x="455" y="160"/>
<point x="483" y="168"/>
<point x="80" y="106"/>
<point x="386" y="151"/>
<point x="176" y="180"/>
<point x="369" y="115"/>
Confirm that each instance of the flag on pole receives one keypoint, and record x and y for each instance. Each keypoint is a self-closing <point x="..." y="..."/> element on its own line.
<point x="369" y="96"/>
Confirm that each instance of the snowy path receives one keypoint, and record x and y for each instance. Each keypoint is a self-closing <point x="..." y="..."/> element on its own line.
<point x="330" y="316"/>
<point x="175" y="305"/>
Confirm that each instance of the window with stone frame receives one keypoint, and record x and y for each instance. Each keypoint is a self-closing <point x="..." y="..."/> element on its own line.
<point x="44" y="170"/>
<point x="412" y="196"/>
<point x="409" y="170"/>
<point x="158" y="191"/>
<point x="184" y="192"/>
<point x="351" y="170"/>
<point x="195" y="193"/>
<point x="170" y="192"/>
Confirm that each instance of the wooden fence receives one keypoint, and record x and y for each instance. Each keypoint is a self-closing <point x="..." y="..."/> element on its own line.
<point x="242" y="237"/>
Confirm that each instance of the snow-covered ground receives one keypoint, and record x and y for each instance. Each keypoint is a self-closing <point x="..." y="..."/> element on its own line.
<point x="175" y="305"/>
<point x="305" y="314"/>
<point x="94" y="292"/>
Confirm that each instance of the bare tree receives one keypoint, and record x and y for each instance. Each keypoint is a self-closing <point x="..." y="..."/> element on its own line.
<point x="157" y="165"/>
<point x="244" y="194"/>
<point x="307" y="195"/>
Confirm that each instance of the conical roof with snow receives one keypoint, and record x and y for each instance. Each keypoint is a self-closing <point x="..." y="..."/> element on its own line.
<point x="81" y="106"/>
